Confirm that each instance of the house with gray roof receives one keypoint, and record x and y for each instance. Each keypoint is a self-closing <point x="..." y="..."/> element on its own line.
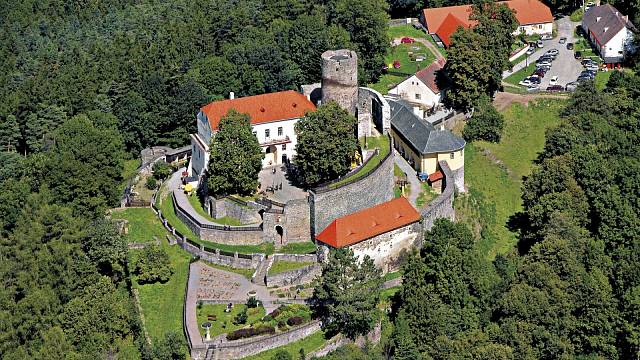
<point x="422" y="144"/>
<point x="610" y="32"/>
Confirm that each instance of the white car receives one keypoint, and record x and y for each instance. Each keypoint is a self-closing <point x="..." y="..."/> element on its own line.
<point x="540" y="43"/>
<point x="530" y="51"/>
<point x="553" y="52"/>
<point x="553" y="81"/>
<point x="546" y="37"/>
<point x="526" y="82"/>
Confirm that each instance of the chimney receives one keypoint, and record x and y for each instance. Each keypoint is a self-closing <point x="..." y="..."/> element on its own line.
<point x="232" y="95"/>
<point x="605" y="29"/>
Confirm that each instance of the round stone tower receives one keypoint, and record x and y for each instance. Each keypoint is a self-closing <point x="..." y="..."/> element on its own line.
<point x="340" y="78"/>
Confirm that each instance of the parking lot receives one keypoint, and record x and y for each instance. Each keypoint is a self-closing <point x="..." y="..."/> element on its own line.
<point x="565" y="66"/>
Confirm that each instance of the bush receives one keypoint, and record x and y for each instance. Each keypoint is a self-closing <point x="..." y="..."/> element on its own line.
<point x="151" y="183"/>
<point x="161" y="170"/>
<point x="249" y="332"/>
<point x="241" y="318"/>
<point x="486" y="124"/>
<point x="282" y="325"/>
<point x="252" y="302"/>
<point x="295" y="320"/>
<point x="267" y="318"/>
<point x="153" y="265"/>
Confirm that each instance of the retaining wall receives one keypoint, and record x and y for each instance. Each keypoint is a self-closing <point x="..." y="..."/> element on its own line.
<point x="222" y="207"/>
<point x="441" y="206"/>
<point x="295" y="257"/>
<point x="294" y="277"/>
<point x="328" y="204"/>
<point x="229" y="235"/>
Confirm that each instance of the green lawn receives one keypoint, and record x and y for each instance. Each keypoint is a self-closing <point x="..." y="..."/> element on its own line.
<point x="400" y="31"/>
<point x="311" y="343"/>
<point x="521" y="74"/>
<point x="392" y="275"/>
<point x="197" y="205"/>
<point x="143" y="224"/>
<point x="522" y="139"/>
<point x="247" y="273"/>
<point x="380" y="142"/>
<point x="282" y="266"/>
<point x="128" y="171"/>
<point x="224" y="321"/>
<point x="602" y="78"/>
<point x="426" y="195"/>
<point x="161" y="304"/>
<point x="576" y="16"/>
<point x="306" y="247"/>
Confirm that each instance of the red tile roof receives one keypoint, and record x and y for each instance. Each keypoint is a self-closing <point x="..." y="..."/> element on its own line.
<point x="261" y="108"/>
<point x="367" y="223"/>
<point x="428" y="75"/>
<point x="450" y="24"/>
<point x="435" y="176"/>
<point x="526" y="11"/>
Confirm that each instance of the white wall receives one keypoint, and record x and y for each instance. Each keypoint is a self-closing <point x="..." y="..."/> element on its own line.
<point x="544" y="28"/>
<point x="412" y="86"/>
<point x="199" y="156"/>
<point x="615" y="47"/>
<point x="385" y="249"/>
<point x="288" y="127"/>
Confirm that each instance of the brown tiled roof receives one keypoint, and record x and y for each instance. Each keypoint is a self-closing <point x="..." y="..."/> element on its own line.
<point x="367" y="223"/>
<point x="428" y="75"/>
<point x="526" y="12"/>
<point x="261" y="108"/>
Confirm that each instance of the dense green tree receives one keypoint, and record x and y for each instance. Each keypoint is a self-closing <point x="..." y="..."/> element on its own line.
<point x="486" y="124"/>
<point x="346" y="294"/>
<point x="9" y="134"/>
<point x="106" y="248"/>
<point x="161" y="170"/>
<point x="236" y="157"/>
<point x="282" y="355"/>
<point x="405" y="348"/>
<point x="171" y="347"/>
<point x="153" y="265"/>
<point x="326" y="144"/>
<point x="41" y="123"/>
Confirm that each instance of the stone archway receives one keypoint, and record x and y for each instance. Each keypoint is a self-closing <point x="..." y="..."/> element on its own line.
<point x="271" y="155"/>
<point x="280" y="232"/>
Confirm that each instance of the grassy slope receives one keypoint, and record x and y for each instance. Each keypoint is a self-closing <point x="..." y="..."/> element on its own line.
<point x="197" y="205"/>
<point x="380" y="142"/>
<point x="522" y="140"/>
<point x="161" y="304"/>
<point x="311" y="343"/>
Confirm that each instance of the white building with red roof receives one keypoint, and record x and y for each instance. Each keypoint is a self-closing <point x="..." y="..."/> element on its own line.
<point x="533" y="17"/>
<point x="273" y="117"/>
<point x="422" y="87"/>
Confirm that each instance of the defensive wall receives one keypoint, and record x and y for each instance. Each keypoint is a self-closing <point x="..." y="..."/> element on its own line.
<point x="442" y="205"/>
<point x="229" y="206"/>
<point x="328" y="202"/>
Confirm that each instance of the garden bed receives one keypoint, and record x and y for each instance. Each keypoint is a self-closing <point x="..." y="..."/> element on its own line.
<point x="223" y="322"/>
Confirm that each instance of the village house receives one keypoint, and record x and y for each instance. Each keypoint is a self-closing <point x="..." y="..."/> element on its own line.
<point x="533" y="17"/>
<point x="422" y="144"/>
<point x="273" y="117"/>
<point x="422" y="87"/>
<point x="382" y="232"/>
<point x="610" y="32"/>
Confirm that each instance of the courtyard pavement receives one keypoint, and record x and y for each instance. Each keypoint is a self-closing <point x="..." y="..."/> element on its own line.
<point x="412" y="177"/>
<point x="270" y="179"/>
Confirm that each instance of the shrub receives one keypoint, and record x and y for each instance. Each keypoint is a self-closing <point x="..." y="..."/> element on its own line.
<point x="486" y="124"/>
<point x="252" y="302"/>
<point x="282" y="325"/>
<point x="161" y="170"/>
<point x="295" y="320"/>
<point x="267" y="318"/>
<point x="151" y="183"/>
<point x="274" y="314"/>
<point x="249" y="332"/>
<point x="241" y="318"/>
<point x="153" y="265"/>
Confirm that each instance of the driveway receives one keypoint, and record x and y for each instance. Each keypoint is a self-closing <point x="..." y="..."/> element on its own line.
<point x="566" y="67"/>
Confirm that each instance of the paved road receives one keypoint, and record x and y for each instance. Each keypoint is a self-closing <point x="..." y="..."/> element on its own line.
<point x="411" y="177"/>
<point x="566" y="67"/>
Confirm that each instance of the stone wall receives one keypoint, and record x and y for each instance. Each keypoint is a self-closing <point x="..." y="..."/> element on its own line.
<point x="340" y="78"/>
<point x="299" y="276"/>
<point x="387" y="249"/>
<point x="441" y="206"/>
<point x="230" y="235"/>
<point x="241" y="348"/>
<point x="328" y="205"/>
<point x="216" y="257"/>
<point x="295" y="257"/>
<point x="458" y="179"/>
<point x="222" y="207"/>
<point x="373" y="110"/>
<point x="296" y="215"/>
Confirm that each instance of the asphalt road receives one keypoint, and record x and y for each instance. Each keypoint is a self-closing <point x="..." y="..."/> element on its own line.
<point x="566" y="67"/>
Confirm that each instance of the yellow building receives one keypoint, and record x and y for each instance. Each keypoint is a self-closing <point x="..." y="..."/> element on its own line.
<point x="422" y="144"/>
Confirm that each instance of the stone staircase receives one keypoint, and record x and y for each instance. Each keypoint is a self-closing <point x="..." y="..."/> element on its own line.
<point x="261" y="271"/>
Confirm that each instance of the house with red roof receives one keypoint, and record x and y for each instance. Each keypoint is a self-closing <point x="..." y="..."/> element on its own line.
<point x="382" y="232"/>
<point x="422" y="88"/>
<point x="533" y="17"/>
<point x="610" y="32"/>
<point x="273" y="117"/>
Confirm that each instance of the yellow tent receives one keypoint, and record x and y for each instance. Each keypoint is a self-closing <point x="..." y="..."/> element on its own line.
<point x="188" y="188"/>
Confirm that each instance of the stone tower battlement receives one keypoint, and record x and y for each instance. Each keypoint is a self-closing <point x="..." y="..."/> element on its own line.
<point x="340" y="78"/>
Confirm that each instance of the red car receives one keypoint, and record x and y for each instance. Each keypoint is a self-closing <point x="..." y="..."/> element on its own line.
<point x="396" y="64"/>
<point x="407" y="40"/>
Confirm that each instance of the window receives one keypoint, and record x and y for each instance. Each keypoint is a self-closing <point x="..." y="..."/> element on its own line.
<point x="417" y="96"/>
<point x="266" y="133"/>
<point x="452" y="155"/>
<point x="540" y="26"/>
<point x="255" y="133"/>
<point x="280" y="131"/>
<point x="284" y="146"/>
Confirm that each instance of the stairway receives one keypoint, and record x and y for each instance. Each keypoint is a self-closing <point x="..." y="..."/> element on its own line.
<point x="261" y="271"/>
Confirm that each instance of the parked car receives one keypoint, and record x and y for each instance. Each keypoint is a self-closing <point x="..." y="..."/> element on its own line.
<point x="553" y="52"/>
<point x="530" y="51"/>
<point x="563" y="40"/>
<point x="555" y="88"/>
<point x="591" y="67"/>
<point x="545" y="68"/>
<point x="588" y="61"/>
<point x="407" y="40"/>
<point x="569" y="46"/>
<point x="546" y="37"/>
<point x="539" y="43"/>
<point x="577" y="55"/>
<point x="554" y="80"/>
<point x="572" y="86"/>
<point x="540" y="72"/>
<point x="526" y="82"/>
